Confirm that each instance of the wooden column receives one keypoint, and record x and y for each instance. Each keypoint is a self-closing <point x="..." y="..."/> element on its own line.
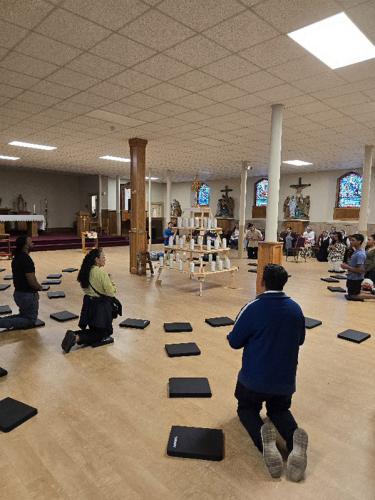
<point x="268" y="253"/>
<point x="138" y="237"/>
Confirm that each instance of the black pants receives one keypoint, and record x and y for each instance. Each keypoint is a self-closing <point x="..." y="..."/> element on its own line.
<point x="90" y="336"/>
<point x="252" y="252"/>
<point x="249" y="406"/>
<point x="354" y="287"/>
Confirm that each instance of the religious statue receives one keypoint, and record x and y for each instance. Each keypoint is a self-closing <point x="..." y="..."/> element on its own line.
<point x="20" y="204"/>
<point x="297" y="206"/>
<point x="176" y="209"/>
<point x="225" y="205"/>
<point x="195" y="187"/>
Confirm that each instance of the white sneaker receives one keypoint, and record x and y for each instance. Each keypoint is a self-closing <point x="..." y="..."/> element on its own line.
<point x="297" y="460"/>
<point x="271" y="454"/>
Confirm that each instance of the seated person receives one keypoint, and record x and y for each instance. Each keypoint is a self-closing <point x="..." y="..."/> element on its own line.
<point x="96" y="310"/>
<point x="355" y="266"/>
<point x="370" y="258"/>
<point x="26" y="288"/>
<point x="168" y="232"/>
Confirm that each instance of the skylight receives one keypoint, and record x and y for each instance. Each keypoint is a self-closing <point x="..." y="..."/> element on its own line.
<point x="297" y="163"/>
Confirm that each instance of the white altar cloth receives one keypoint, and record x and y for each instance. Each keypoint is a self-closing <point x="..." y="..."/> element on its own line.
<point x="24" y="218"/>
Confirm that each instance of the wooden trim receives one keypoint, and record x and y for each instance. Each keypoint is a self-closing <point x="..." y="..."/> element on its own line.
<point x="259" y="212"/>
<point x="346" y="213"/>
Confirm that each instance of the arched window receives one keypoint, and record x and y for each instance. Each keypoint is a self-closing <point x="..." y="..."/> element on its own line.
<point x="261" y="193"/>
<point x="204" y="195"/>
<point x="349" y="190"/>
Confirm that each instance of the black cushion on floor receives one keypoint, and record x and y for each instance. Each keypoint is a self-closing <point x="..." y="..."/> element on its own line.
<point x="5" y="310"/>
<point x="134" y="323"/>
<point x="51" y="282"/>
<point x="3" y="372"/>
<point x="63" y="316"/>
<point x="70" y="270"/>
<point x="178" y="327"/>
<point x="39" y="323"/>
<point x="54" y="276"/>
<point x="354" y="298"/>
<point x="8" y="277"/>
<point x="312" y="323"/>
<point x="196" y="442"/>
<point x="337" y="272"/>
<point x="339" y="276"/>
<point x="220" y="321"/>
<point x="330" y="280"/>
<point x="252" y="264"/>
<point x="4" y="286"/>
<point x="45" y="288"/>
<point x="55" y="295"/>
<point x="107" y="340"/>
<point x="252" y="271"/>
<point x="14" y="413"/>
<point x="189" y="387"/>
<point x="354" y="336"/>
<point x="336" y="289"/>
<point x="178" y="350"/>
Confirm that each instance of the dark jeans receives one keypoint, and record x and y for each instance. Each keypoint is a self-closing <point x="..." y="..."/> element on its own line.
<point x="249" y="406"/>
<point x="354" y="287"/>
<point x="28" y="305"/>
<point x="91" y="335"/>
<point x="252" y="252"/>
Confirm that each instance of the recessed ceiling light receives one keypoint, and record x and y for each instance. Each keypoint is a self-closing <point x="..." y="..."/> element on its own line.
<point x="12" y="158"/>
<point x="297" y="163"/>
<point x="115" y="158"/>
<point x="336" y="41"/>
<point x="31" y="146"/>
<point x="152" y="178"/>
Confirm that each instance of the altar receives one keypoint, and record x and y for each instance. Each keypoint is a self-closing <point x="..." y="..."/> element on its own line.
<point x="33" y="222"/>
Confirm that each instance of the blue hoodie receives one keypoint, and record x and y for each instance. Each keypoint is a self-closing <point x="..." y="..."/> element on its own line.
<point x="270" y="330"/>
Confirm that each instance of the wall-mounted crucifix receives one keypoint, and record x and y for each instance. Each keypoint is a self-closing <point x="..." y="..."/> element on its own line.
<point x="299" y="187"/>
<point x="226" y="190"/>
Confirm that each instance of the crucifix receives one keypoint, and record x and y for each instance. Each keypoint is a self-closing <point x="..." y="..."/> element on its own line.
<point x="299" y="187"/>
<point x="226" y="190"/>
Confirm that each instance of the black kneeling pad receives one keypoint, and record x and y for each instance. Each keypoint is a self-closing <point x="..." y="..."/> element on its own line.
<point x="8" y="277"/>
<point x="337" y="272"/>
<point x="51" y="282"/>
<point x="45" y="288"/>
<point x="5" y="310"/>
<point x="38" y="323"/>
<point x="312" y="323"/>
<point x="189" y="387"/>
<point x="336" y="289"/>
<point x="70" y="270"/>
<point x="55" y="295"/>
<point x="354" y="336"/>
<point x="63" y="316"/>
<point x="107" y="340"/>
<point x="339" y="277"/>
<point x="354" y="298"/>
<point x="220" y="321"/>
<point x="252" y="271"/>
<point x="14" y="413"/>
<point x="134" y="323"/>
<point x="4" y="287"/>
<point x="178" y="327"/>
<point x="330" y="280"/>
<point x="196" y="442"/>
<point x="252" y="264"/>
<point x="3" y="372"/>
<point x="54" y="276"/>
<point x="187" y="349"/>
<point x="2" y="269"/>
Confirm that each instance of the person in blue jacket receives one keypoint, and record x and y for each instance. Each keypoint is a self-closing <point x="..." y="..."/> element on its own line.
<point x="270" y="330"/>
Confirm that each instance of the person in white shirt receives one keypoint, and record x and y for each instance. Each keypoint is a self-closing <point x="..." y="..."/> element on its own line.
<point x="309" y="236"/>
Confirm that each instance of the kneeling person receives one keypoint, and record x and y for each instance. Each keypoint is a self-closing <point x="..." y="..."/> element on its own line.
<point x="355" y="266"/>
<point x="270" y="330"/>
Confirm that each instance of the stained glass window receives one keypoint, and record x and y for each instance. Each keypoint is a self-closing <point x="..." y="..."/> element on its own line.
<point x="350" y="190"/>
<point x="204" y="195"/>
<point x="261" y="193"/>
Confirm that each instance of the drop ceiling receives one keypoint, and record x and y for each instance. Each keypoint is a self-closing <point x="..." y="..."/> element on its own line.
<point x="195" y="78"/>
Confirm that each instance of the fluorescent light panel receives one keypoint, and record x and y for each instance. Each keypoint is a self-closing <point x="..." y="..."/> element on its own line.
<point x="115" y="158"/>
<point x="12" y="158"/>
<point x="152" y="178"/>
<point x="31" y="146"/>
<point x="297" y="163"/>
<point x="336" y="41"/>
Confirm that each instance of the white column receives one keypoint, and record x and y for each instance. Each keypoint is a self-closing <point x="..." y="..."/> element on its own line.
<point x="100" y="204"/>
<point x="149" y="212"/>
<point x="366" y="186"/>
<point x="242" y="218"/>
<point x="167" y="210"/>
<point x="118" y="205"/>
<point x="274" y="174"/>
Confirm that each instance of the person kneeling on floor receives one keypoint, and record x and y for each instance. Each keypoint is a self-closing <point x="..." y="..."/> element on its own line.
<point x="270" y="329"/>
<point x="96" y="313"/>
<point x="356" y="266"/>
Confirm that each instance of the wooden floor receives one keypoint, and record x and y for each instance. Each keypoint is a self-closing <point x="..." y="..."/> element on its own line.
<point x="104" y="415"/>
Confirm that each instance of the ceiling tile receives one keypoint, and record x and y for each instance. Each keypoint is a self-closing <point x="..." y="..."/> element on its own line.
<point x="200" y="15"/>
<point x="36" y="98"/>
<point x="194" y="101"/>
<point x="257" y="81"/>
<point x="147" y="116"/>
<point x="245" y="102"/>
<point x="359" y="71"/>
<point x="218" y="109"/>
<point x="73" y="107"/>
<point x="195" y="80"/>
<point x="112" y="14"/>
<point x="292" y="70"/>
<point x="27" y="107"/>
<point x="323" y="116"/>
<point x="310" y="108"/>
<point x="168" y="109"/>
<point x="142" y="101"/>
<point x="90" y="99"/>
<point x="197" y="51"/>
<point x="110" y="91"/>
<point x="162" y="67"/>
<point x="122" y="50"/>
<point x="359" y="109"/>
<point x="27" y="65"/>
<point x="287" y="15"/>
<point x="174" y="123"/>
<point x="16" y="79"/>
<point x="348" y="99"/>
<point x="230" y="68"/>
<point x="26" y="14"/>
<point x="156" y="30"/>
<point x="9" y="91"/>
<point x="133" y="80"/>
<point x="120" y="108"/>
<point x="62" y="25"/>
<point x="94" y="66"/>
<point x="192" y="116"/>
<point x="222" y="92"/>
<point x="166" y="91"/>
<point x="319" y="82"/>
<point x="208" y="141"/>
<point x="54" y="89"/>
<point x="10" y="34"/>
<point x="114" y="118"/>
<point x="47" y="49"/>
<point x="241" y="31"/>
<point x="279" y="93"/>
<point x="363" y="16"/>
<point x="72" y="79"/>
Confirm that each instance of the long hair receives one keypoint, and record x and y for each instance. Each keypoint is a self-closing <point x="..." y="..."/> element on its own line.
<point x="20" y="243"/>
<point x="88" y="262"/>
